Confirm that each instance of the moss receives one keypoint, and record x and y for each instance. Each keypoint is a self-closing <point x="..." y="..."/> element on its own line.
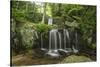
<point x="30" y="59"/>
<point x="75" y="58"/>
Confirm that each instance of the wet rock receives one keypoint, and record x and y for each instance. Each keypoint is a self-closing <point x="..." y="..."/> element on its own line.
<point x="64" y="52"/>
<point x="39" y="53"/>
<point x="53" y="54"/>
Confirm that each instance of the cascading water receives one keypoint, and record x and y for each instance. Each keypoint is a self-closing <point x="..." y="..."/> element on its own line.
<point x="66" y="48"/>
<point x="36" y="34"/>
<point x="42" y="48"/>
<point x="60" y="40"/>
<point x="53" y="50"/>
<point x="55" y="36"/>
<point x="59" y="43"/>
<point x="68" y="39"/>
<point x="64" y="39"/>
<point x="50" y="20"/>
<point x="67" y="33"/>
<point x="53" y="39"/>
<point x="75" y="48"/>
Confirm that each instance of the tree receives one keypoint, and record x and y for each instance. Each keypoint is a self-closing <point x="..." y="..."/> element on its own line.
<point x="44" y="12"/>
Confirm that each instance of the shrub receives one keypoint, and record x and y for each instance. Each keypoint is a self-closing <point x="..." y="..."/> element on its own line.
<point x="43" y="28"/>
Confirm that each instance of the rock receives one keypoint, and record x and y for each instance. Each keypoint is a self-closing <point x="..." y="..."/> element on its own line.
<point x="53" y="54"/>
<point x="44" y="50"/>
<point x="63" y="52"/>
<point x="39" y="52"/>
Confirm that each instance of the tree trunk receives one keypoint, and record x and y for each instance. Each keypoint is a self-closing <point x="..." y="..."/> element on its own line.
<point x="44" y="12"/>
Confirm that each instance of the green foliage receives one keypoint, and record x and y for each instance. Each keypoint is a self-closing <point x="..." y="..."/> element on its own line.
<point x="25" y="10"/>
<point x="76" y="16"/>
<point x="27" y="33"/>
<point x="44" y="28"/>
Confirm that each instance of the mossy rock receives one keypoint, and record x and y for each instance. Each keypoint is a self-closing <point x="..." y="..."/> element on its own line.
<point x="75" y="58"/>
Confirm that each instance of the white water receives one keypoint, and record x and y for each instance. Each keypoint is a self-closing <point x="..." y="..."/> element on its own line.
<point x="53" y="35"/>
<point x="50" y="20"/>
<point x="59" y="34"/>
<point x="66" y="36"/>
<point x="64" y="39"/>
<point x="53" y="53"/>
<point x="75" y="48"/>
<point x="36" y="35"/>
<point x="53" y="43"/>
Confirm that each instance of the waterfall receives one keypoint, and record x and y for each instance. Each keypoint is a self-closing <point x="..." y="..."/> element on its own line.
<point x="60" y="41"/>
<point x="41" y="38"/>
<point x="53" y="39"/>
<point x="67" y="34"/>
<point x="36" y="34"/>
<point x="53" y="43"/>
<point x="50" y="20"/>
<point x="75" y="48"/>
<point x="56" y="43"/>
<point x="64" y="39"/>
<point x="55" y="36"/>
<point x="50" y="35"/>
<point x="42" y="48"/>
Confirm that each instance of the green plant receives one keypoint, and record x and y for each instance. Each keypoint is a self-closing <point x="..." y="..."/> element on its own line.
<point x="43" y="28"/>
